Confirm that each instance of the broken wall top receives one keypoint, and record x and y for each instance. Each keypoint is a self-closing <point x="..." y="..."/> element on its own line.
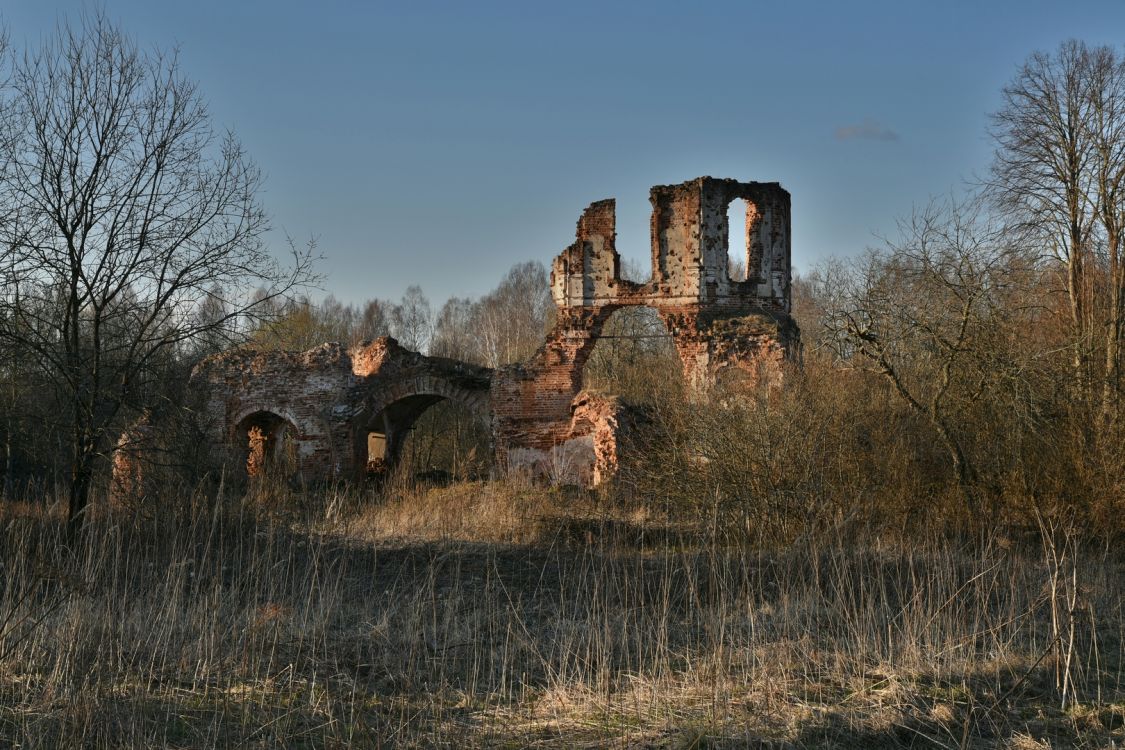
<point x="688" y="234"/>
<point x="381" y="358"/>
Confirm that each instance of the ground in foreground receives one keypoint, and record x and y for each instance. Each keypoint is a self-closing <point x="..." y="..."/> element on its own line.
<point x="498" y="615"/>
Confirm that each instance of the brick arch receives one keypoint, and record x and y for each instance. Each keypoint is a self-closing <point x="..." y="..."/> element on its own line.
<point x="400" y="404"/>
<point x="254" y="435"/>
<point x="248" y="411"/>
<point x="561" y="362"/>
<point x="425" y="385"/>
<point x="601" y="316"/>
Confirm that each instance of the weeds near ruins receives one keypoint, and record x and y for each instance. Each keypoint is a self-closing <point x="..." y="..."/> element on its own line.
<point x="494" y="613"/>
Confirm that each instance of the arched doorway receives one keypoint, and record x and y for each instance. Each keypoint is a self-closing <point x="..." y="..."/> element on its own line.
<point x="633" y="356"/>
<point x="426" y="435"/>
<point x="267" y="445"/>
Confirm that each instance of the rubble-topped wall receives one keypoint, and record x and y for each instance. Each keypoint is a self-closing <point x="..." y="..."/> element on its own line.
<point x="720" y="327"/>
<point x="312" y="411"/>
<point x="689" y="235"/>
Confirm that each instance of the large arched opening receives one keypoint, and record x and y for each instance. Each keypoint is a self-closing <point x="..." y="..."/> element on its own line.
<point x="267" y="444"/>
<point x="634" y="356"/>
<point x="426" y="435"/>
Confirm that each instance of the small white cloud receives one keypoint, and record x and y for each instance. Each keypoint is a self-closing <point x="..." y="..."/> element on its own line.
<point x="868" y="129"/>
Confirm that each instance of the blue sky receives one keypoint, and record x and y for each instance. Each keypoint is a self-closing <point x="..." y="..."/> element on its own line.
<point x="440" y="143"/>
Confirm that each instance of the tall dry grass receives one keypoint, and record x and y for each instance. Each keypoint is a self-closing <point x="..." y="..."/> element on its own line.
<point x="485" y="615"/>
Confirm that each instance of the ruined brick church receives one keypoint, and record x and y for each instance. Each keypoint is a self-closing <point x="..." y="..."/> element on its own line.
<point x="344" y="410"/>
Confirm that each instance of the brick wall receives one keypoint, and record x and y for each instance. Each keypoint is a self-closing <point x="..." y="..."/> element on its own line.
<point x="721" y="328"/>
<point x="328" y="398"/>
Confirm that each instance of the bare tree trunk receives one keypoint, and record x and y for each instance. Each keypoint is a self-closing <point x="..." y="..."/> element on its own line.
<point x="1112" y="384"/>
<point x="962" y="467"/>
<point x="1109" y="189"/>
<point x="1075" y="278"/>
<point x="81" y="476"/>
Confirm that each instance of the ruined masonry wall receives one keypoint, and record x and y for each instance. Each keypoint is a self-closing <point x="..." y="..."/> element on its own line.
<point x="325" y="401"/>
<point x="545" y="423"/>
<point x="329" y="397"/>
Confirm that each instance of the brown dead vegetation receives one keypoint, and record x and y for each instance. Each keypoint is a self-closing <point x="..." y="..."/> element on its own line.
<point x="502" y="614"/>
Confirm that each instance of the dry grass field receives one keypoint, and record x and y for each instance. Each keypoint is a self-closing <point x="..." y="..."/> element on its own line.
<point x="505" y="615"/>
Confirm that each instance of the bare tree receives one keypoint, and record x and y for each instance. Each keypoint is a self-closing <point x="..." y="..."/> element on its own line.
<point x="372" y="321"/>
<point x="1059" y="173"/>
<point x="412" y="320"/>
<point x="296" y="325"/>
<point x="511" y="320"/>
<point x="817" y="292"/>
<point x="126" y="212"/>
<point x="1106" y="131"/>
<point x="924" y="314"/>
<point x="217" y="329"/>
<point x="453" y="331"/>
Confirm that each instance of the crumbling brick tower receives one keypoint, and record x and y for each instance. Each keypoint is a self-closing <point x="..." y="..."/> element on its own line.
<point x="544" y="422"/>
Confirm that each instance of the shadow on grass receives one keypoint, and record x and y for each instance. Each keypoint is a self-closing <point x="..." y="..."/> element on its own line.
<point x="218" y="626"/>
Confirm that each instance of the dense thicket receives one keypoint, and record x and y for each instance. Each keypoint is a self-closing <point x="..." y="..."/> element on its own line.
<point x="936" y="387"/>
